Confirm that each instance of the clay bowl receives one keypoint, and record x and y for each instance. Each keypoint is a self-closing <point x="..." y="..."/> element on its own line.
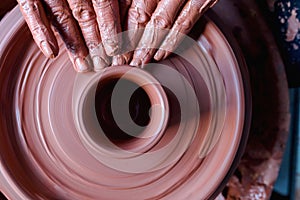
<point x="59" y="141"/>
<point x="121" y="108"/>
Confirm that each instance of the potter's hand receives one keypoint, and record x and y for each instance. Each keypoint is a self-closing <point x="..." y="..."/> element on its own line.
<point x="154" y="15"/>
<point x="98" y="20"/>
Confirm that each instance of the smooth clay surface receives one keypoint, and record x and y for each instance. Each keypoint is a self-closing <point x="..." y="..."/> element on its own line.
<point x="47" y="154"/>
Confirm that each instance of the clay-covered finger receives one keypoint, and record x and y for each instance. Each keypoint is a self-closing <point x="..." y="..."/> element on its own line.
<point x="108" y="18"/>
<point x="139" y="15"/>
<point x="189" y="15"/>
<point x="39" y="26"/>
<point x="85" y="15"/>
<point x="155" y="31"/>
<point x="62" y="19"/>
<point x="124" y="5"/>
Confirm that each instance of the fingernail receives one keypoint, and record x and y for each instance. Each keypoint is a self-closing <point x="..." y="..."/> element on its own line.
<point x="118" y="60"/>
<point x="159" y="55"/>
<point x="47" y="50"/>
<point x="99" y="63"/>
<point x="81" y="65"/>
<point x="135" y="62"/>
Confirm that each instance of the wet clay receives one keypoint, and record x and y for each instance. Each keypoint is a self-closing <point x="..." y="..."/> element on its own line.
<point x="293" y="27"/>
<point x="45" y="155"/>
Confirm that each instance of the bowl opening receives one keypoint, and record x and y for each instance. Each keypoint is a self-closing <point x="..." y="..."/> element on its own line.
<point x="138" y="107"/>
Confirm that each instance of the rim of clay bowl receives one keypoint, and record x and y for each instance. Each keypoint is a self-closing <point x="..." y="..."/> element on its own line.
<point x="88" y="124"/>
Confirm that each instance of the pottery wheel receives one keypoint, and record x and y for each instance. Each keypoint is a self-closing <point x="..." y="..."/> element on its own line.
<point x="44" y="155"/>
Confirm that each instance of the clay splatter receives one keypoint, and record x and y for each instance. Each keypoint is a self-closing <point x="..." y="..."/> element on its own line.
<point x="288" y="22"/>
<point x="293" y="27"/>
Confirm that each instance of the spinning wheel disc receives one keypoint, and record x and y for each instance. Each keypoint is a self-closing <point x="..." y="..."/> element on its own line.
<point x="44" y="153"/>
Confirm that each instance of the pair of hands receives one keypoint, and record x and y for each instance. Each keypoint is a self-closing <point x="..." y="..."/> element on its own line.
<point x="90" y="28"/>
